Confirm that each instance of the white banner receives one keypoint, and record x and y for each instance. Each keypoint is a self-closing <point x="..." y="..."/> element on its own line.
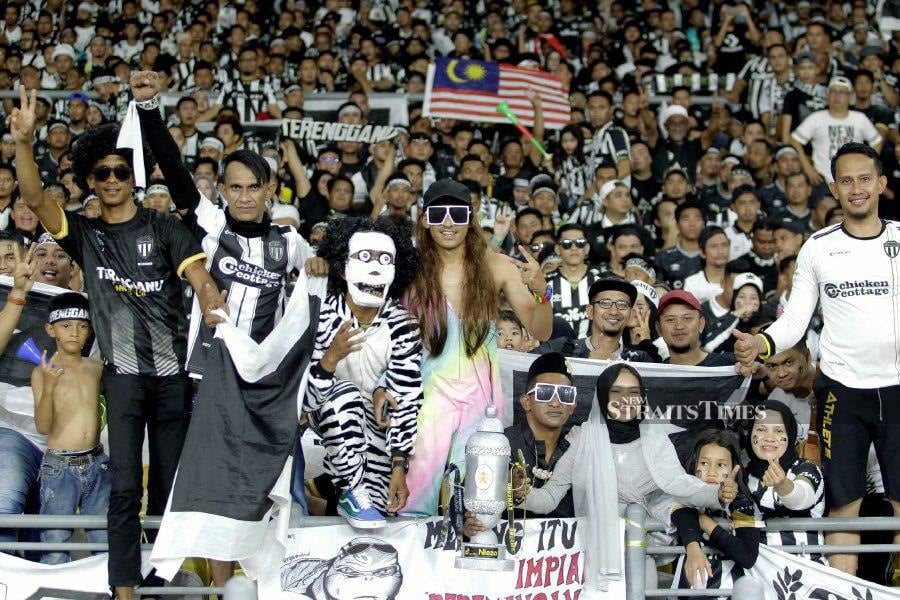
<point x="788" y="577"/>
<point x="405" y="561"/>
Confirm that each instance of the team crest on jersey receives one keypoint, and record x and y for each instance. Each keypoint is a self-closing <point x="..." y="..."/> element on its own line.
<point x="276" y="250"/>
<point x="145" y="246"/>
<point x="892" y="248"/>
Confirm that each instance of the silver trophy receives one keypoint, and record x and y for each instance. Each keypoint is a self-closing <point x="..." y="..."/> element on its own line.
<point x="487" y="474"/>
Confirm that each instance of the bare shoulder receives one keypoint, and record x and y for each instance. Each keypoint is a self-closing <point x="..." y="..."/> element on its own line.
<point x="93" y="364"/>
<point x="501" y="265"/>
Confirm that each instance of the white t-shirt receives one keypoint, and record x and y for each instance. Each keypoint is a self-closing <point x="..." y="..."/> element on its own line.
<point x="857" y="280"/>
<point x="827" y="134"/>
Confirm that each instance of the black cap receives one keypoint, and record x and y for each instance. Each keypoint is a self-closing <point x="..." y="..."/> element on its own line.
<point x="613" y="283"/>
<point x="792" y="226"/>
<point x="446" y="191"/>
<point x="552" y="362"/>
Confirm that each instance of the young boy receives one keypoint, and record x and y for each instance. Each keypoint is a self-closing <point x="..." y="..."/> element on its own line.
<point x="510" y="332"/>
<point x="75" y="471"/>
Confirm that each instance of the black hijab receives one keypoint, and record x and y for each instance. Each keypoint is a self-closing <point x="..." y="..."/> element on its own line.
<point x="757" y="466"/>
<point x="619" y="432"/>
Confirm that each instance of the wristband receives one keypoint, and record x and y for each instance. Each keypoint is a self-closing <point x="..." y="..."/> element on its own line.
<point x="151" y="104"/>
<point x="17" y="301"/>
<point x="768" y="352"/>
<point x="545" y="297"/>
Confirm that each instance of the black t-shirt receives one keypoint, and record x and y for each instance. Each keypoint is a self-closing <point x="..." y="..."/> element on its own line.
<point x="131" y="273"/>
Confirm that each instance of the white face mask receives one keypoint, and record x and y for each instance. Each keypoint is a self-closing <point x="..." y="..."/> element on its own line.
<point x="370" y="268"/>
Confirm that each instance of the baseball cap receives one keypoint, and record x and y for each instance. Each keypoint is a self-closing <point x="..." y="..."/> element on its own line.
<point x="519" y="182"/>
<point x="840" y="82"/>
<point x="742" y="279"/>
<point x="806" y="57"/>
<point x="57" y="125"/>
<point x="616" y="284"/>
<point x="446" y="191"/>
<point x="792" y="226"/>
<point x="679" y="297"/>
<point x="869" y="51"/>
<point x="732" y="160"/>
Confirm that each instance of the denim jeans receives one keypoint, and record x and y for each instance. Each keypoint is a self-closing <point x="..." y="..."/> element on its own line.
<point x="66" y="487"/>
<point x="20" y="463"/>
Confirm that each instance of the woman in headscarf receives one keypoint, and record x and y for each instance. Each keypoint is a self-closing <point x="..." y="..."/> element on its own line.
<point x="617" y="444"/>
<point x="781" y="483"/>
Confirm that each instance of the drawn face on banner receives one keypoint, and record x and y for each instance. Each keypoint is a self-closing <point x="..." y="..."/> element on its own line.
<point x="769" y="436"/>
<point x="370" y="267"/>
<point x="364" y="568"/>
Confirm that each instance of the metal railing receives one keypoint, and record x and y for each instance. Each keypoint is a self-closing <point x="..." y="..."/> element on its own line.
<point x="637" y="526"/>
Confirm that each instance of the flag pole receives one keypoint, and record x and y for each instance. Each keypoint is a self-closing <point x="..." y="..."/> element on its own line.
<point x="504" y="109"/>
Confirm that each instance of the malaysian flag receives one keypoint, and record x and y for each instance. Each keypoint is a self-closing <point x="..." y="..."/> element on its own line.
<point x="471" y="89"/>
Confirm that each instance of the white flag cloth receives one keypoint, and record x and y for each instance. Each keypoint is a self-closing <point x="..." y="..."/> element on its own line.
<point x="130" y="139"/>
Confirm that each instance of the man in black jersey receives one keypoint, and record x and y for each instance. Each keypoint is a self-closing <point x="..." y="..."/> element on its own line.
<point x="132" y="259"/>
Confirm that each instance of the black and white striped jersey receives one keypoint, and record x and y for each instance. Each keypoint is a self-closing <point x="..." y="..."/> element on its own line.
<point x="247" y="99"/>
<point x="252" y="269"/>
<point x="756" y="73"/>
<point x="570" y="301"/>
<point x="610" y="142"/>
<point x="770" y="506"/>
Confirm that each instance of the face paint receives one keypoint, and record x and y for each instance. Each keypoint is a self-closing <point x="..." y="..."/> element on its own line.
<point x="769" y="436"/>
<point x="370" y="268"/>
<point x="714" y="464"/>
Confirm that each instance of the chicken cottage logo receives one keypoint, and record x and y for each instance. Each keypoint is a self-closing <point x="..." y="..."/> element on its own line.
<point x="249" y="274"/>
<point x="850" y="289"/>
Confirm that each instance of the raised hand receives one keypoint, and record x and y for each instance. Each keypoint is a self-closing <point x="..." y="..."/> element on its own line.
<point x="728" y="489"/>
<point x="530" y="269"/>
<point x="24" y="271"/>
<point x="503" y="221"/>
<point x="144" y="85"/>
<point x="49" y="370"/>
<point x="21" y="120"/>
<point x="774" y="475"/>
<point x="348" y="339"/>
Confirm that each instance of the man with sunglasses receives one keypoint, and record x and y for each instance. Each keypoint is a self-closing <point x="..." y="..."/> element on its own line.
<point x="537" y="432"/>
<point x="611" y="303"/>
<point x="573" y="278"/>
<point x="132" y="259"/>
<point x="547" y="406"/>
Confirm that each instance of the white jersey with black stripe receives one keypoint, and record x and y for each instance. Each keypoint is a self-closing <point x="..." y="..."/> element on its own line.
<point x="857" y="280"/>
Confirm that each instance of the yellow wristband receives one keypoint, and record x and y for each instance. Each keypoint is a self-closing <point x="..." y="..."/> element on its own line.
<point x="768" y="352"/>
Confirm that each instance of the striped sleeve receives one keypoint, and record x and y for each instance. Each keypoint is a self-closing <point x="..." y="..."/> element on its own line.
<point x="403" y="380"/>
<point x="321" y="381"/>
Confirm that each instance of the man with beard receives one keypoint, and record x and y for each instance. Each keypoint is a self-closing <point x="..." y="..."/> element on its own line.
<point x="681" y="323"/>
<point x="611" y="302"/>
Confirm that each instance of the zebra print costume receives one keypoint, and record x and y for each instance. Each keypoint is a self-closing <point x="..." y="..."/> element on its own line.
<point x="340" y="405"/>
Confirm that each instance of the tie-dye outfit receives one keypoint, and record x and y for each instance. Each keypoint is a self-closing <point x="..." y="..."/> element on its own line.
<point x="457" y="389"/>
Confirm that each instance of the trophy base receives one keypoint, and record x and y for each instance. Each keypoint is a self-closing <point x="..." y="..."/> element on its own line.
<point x="484" y="557"/>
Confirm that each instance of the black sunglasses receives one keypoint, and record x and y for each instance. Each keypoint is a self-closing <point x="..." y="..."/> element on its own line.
<point x="436" y="215"/>
<point x="121" y="172"/>
<point x="567" y="244"/>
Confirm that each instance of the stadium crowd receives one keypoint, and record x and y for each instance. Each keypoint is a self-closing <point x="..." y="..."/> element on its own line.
<point x="665" y="224"/>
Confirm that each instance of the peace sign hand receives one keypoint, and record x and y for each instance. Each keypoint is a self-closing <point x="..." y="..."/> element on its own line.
<point x="21" y="120"/>
<point x="532" y="276"/>
<point x="24" y="271"/>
